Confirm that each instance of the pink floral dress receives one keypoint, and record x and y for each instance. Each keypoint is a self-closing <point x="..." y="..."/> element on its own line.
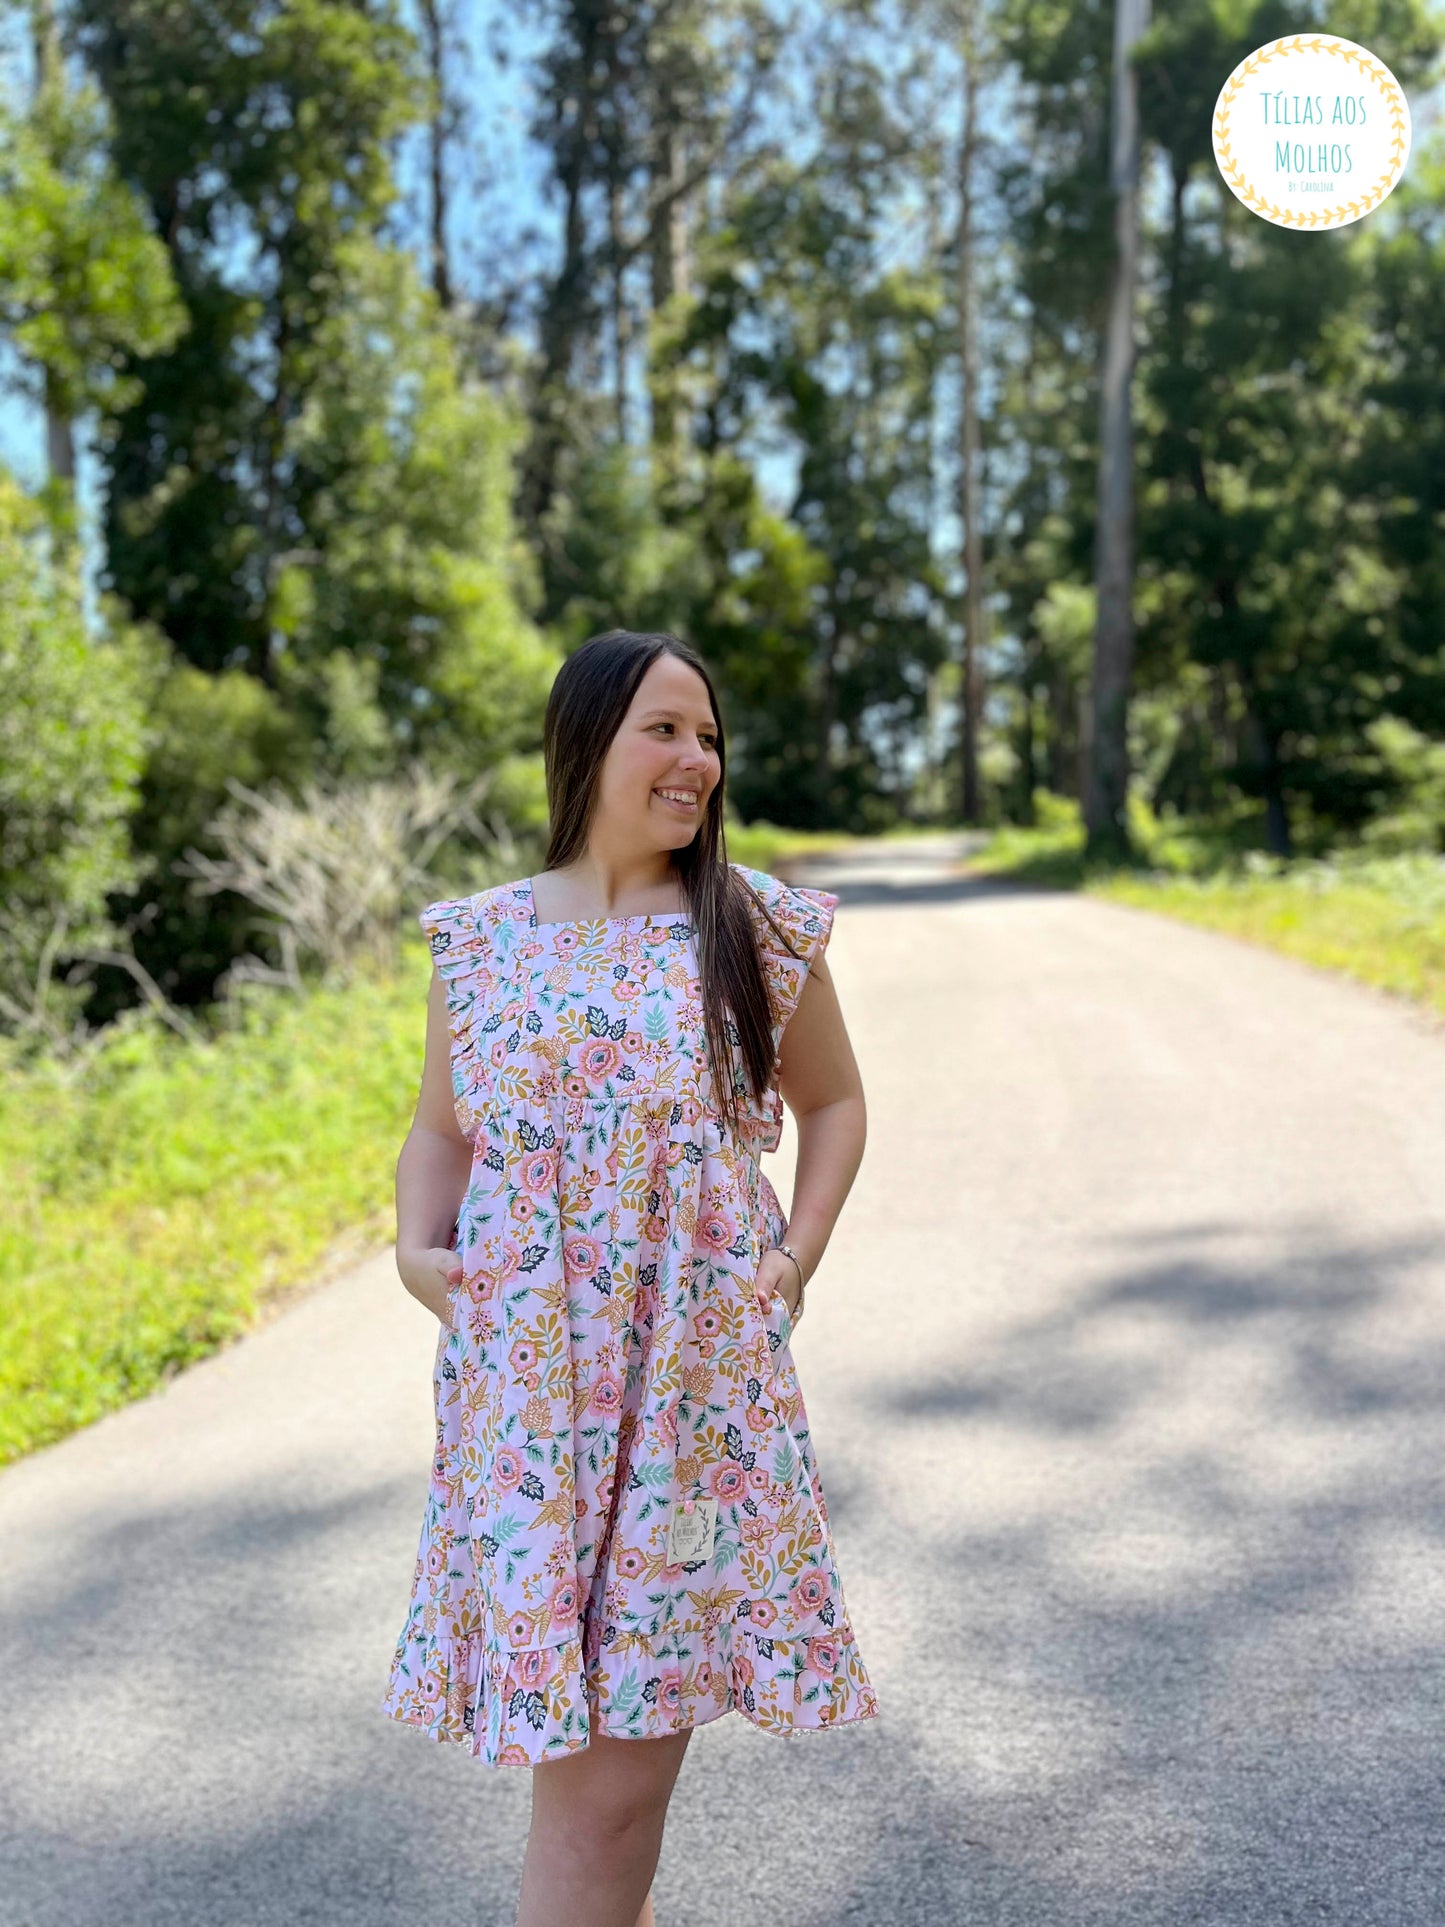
<point x="625" y="1530"/>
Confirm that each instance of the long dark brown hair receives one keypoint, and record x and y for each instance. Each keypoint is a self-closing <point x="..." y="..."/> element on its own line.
<point x="590" y="697"/>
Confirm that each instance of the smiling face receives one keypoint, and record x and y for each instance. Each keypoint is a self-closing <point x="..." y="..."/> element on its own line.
<point x="663" y="764"/>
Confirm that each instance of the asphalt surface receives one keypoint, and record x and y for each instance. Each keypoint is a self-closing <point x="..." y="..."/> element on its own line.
<point x="1126" y="1371"/>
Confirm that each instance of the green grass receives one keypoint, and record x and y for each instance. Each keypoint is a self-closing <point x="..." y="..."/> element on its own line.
<point x="158" y="1199"/>
<point x="1377" y="919"/>
<point x="762" y="845"/>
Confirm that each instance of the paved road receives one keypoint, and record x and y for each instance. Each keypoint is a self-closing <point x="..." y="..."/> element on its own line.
<point x="1127" y="1375"/>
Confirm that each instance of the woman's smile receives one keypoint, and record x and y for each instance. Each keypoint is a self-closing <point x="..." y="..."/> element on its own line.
<point x="684" y="801"/>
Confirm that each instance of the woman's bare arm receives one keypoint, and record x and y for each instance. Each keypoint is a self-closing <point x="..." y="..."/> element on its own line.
<point x="819" y="1081"/>
<point x="432" y="1170"/>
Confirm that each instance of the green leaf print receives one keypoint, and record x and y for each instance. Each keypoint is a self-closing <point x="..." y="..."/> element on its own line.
<point x="656" y="1027"/>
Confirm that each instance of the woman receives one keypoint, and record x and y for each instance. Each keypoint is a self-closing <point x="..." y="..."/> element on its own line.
<point x="626" y="1534"/>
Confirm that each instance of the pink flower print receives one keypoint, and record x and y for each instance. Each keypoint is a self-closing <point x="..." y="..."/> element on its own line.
<point x="715" y="1230"/>
<point x="758" y="1419"/>
<point x="524" y="1209"/>
<point x="523" y="1355"/>
<point x="709" y="1322"/>
<point x="564" y="942"/>
<point x="758" y="1478"/>
<point x="499" y="1052"/>
<point x="536" y="1172"/>
<point x="823" y="1654"/>
<point x="531" y="1668"/>
<point x="669" y="1693"/>
<point x="665" y="1425"/>
<point x="604" y="1491"/>
<point x="702" y="1678"/>
<point x="520" y="1628"/>
<point x="600" y="1059"/>
<point x="808" y="1594"/>
<point x="606" y="1394"/>
<point x="581" y="1256"/>
<point x="743" y="1670"/>
<point x="532" y="1380"/>
<point x="511" y="1263"/>
<point x="630" y="1563"/>
<point x="727" y="1482"/>
<point x="655" y="1230"/>
<point x="436" y="1560"/>
<point x="575" y="1086"/>
<point x="632" y="1043"/>
<point x="507" y="1469"/>
<point x="625" y="991"/>
<point x="563" y="1604"/>
<point x="755" y="1532"/>
<point x="765" y="1613"/>
<point x="706" y="1348"/>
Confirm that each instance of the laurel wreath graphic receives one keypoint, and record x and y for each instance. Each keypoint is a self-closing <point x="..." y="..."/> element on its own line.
<point x="1342" y="210"/>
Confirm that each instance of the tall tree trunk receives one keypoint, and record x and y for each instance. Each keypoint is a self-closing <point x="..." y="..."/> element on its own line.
<point x="827" y="713"/>
<point x="970" y="493"/>
<point x="669" y="251"/>
<point x="1260" y="746"/>
<point x="432" y="33"/>
<point x="621" y="313"/>
<point x="59" y="432"/>
<point x="1107" y="782"/>
<point x="59" y="428"/>
<point x="1027" y="756"/>
<point x="559" y="327"/>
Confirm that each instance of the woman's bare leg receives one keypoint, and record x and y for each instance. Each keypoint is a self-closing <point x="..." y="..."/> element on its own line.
<point x="596" y="1833"/>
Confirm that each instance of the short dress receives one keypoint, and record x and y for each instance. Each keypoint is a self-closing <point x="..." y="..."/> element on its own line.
<point x="625" y="1530"/>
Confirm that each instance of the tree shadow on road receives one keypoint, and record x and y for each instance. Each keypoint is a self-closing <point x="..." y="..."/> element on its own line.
<point x="1194" y="1669"/>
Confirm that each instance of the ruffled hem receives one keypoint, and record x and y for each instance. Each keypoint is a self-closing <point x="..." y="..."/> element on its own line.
<point x="521" y="1708"/>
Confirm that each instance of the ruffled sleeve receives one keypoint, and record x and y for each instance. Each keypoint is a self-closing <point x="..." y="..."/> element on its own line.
<point x="458" y="931"/>
<point x="805" y="919"/>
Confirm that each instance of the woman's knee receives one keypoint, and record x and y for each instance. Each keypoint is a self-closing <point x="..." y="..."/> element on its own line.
<point x="613" y="1791"/>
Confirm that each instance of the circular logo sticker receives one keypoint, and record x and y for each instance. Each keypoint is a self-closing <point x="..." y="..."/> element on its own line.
<point x="1311" y="131"/>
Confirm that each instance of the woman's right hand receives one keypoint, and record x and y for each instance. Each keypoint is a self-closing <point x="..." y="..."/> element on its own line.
<point x="429" y="1275"/>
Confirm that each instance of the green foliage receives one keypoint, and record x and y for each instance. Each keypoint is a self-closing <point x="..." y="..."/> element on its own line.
<point x="85" y="285"/>
<point x="1414" y="815"/>
<point x="154" y="1202"/>
<point x="404" y="626"/>
<point x="1289" y="431"/>
<point x="72" y="737"/>
<point x="260" y="137"/>
<point x="310" y="493"/>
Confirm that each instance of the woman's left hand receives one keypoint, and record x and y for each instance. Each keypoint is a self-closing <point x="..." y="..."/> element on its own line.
<point x="778" y="1278"/>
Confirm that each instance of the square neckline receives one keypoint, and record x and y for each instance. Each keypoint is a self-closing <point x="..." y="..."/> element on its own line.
<point x="578" y="923"/>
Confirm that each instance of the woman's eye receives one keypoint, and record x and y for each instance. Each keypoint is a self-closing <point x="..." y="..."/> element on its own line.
<point x="707" y="739"/>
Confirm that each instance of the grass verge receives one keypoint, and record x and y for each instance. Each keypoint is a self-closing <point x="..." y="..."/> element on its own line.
<point x="1377" y="919"/>
<point x="161" y="1197"/>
